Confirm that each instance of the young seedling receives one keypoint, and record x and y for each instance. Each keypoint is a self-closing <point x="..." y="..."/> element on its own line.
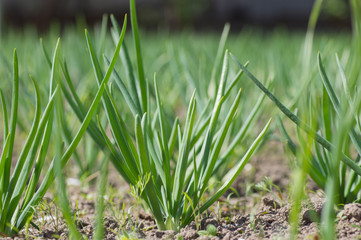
<point x="211" y="231"/>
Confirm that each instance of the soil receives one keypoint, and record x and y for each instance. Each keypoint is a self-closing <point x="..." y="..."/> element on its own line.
<point x="254" y="215"/>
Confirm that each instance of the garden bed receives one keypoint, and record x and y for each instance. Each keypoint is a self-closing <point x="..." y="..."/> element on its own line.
<point x="260" y="215"/>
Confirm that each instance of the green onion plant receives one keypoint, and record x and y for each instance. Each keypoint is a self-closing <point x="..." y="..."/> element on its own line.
<point x="174" y="192"/>
<point x="331" y="118"/>
<point x="21" y="188"/>
<point x="180" y="160"/>
<point x="319" y="176"/>
<point x="15" y="186"/>
<point x="330" y="163"/>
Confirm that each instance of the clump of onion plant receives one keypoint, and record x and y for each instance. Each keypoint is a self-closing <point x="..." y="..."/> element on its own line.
<point x="21" y="188"/>
<point x="332" y="120"/>
<point x="178" y="161"/>
<point x="172" y="160"/>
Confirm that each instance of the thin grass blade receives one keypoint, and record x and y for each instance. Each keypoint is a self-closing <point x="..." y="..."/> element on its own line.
<point x="5" y="178"/>
<point x="141" y="76"/>
<point x="5" y="115"/>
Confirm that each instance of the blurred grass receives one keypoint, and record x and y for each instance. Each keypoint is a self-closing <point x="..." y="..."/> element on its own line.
<point x="182" y="61"/>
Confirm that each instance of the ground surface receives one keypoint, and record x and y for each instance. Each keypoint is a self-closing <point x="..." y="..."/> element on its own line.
<point x="259" y="215"/>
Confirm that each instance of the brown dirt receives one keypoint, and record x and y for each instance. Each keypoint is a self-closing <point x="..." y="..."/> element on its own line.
<point x="259" y="215"/>
<point x="268" y="219"/>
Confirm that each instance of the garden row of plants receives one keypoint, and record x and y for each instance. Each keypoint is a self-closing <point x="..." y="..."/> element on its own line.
<point x="169" y="134"/>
